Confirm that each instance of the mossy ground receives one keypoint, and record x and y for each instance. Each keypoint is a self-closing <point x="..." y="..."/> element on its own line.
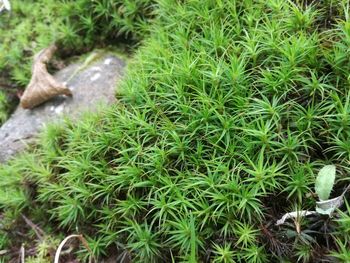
<point x="228" y="110"/>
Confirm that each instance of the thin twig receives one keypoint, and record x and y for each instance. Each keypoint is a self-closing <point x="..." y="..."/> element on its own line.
<point x="346" y="190"/>
<point x="22" y="252"/>
<point x="38" y="231"/>
<point x="82" y="240"/>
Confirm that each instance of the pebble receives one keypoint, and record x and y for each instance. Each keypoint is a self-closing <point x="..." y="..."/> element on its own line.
<point x="95" y="77"/>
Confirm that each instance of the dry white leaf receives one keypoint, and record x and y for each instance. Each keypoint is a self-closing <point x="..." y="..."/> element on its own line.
<point x="295" y="214"/>
<point x="5" y="5"/>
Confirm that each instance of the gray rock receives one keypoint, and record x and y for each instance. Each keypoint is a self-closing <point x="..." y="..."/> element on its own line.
<point x="92" y="86"/>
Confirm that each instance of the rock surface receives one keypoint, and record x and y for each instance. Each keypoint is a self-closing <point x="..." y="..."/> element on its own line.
<point x="91" y="86"/>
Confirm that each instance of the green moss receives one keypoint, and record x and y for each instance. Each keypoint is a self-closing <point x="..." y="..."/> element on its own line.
<point x="3" y="107"/>
<point x="228" y="110"/>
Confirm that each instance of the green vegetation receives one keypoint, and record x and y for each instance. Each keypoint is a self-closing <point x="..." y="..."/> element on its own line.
<point x="325" y="182"/>
<point x="3" y="107"/>
<point x="228" y="111"/>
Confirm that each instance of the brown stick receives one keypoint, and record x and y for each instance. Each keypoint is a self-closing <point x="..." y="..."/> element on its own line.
<point x="38" y="231"/>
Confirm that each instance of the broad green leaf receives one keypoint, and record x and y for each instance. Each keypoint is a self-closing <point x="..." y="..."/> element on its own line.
<point x="325" y="181"/>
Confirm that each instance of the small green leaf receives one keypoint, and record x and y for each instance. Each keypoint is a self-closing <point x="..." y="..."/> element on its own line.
<point x="325" y="181"/>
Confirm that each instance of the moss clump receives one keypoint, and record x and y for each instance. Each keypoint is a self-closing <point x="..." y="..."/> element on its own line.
<point x="226" y="114"/>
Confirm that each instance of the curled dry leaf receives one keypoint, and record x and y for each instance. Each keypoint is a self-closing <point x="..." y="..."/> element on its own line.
<point x="42" y="86"/>
<point x="326" y="207"/>
<point x="295" y="214"/>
